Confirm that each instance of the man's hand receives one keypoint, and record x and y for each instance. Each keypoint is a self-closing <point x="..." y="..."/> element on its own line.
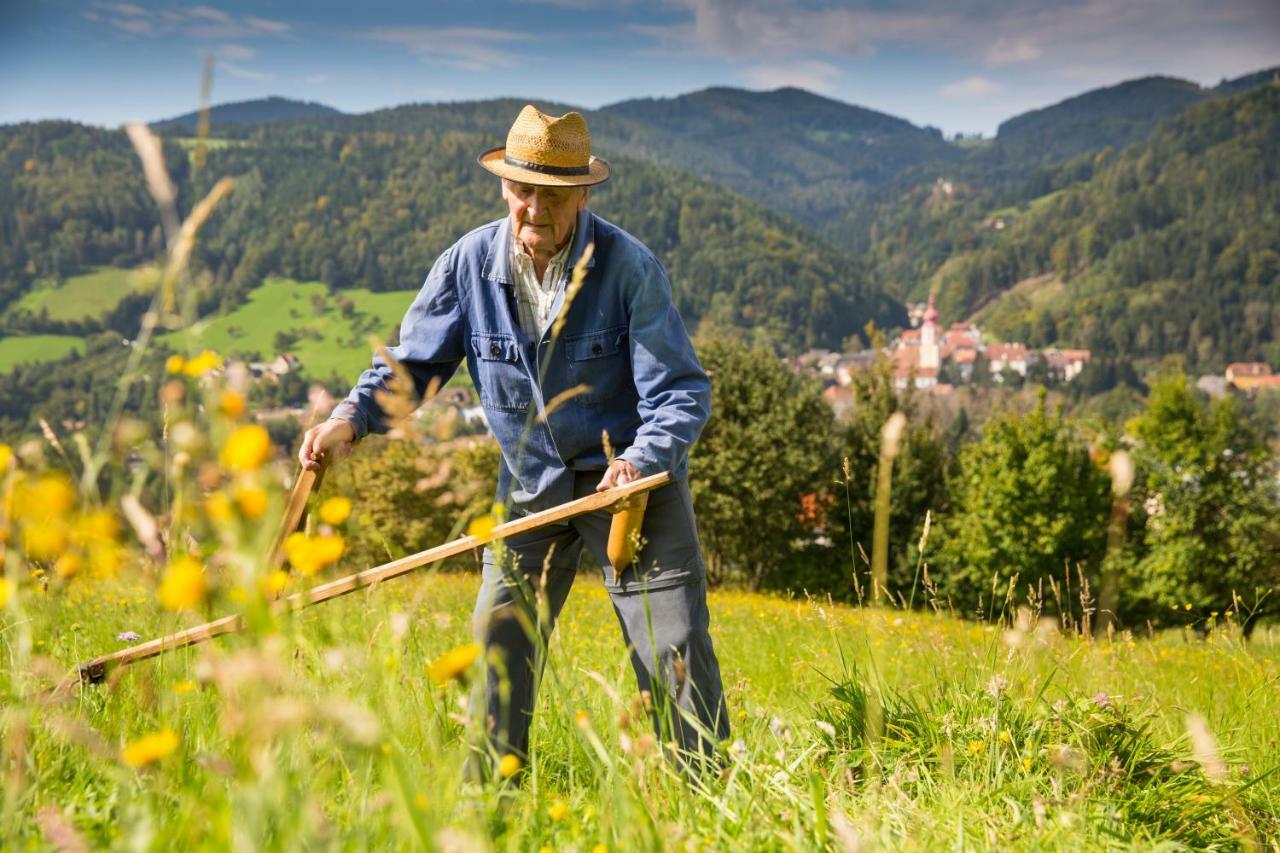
<point x="620" y="473"/>
<point x="330" y="441"/>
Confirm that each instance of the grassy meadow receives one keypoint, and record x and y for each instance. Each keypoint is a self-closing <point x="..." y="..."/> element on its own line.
<point x="851" y="727"/>
<point x="35" y="349"/>
<point x="89" y="295"/>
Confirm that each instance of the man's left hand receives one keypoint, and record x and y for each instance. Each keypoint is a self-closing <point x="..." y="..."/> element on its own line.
<point x="620" y="473"/>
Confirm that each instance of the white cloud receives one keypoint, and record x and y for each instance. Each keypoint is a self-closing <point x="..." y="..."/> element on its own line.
<point x="1006" y="51"/>
<point x="198" y="22"/>
<point x="316" y="79"/>
<point x="970" y="87"/>
<point x="244" y="73"/>
<point x="806" y="74"/>
<point x="470" y="48"/>
<point x="237" y="52"/>
<point x="264" y="25"/>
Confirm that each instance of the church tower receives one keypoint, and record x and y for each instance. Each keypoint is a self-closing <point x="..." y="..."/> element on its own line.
<point x="930" y="356"/>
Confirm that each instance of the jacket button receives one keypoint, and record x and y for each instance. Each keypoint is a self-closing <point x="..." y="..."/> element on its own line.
<point x="597" y="348"/>
<point x="494" y="349"/>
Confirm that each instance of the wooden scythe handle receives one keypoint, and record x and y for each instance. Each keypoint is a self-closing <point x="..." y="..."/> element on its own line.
<point x="624" y="530"/>
<point x="96" y="670"/>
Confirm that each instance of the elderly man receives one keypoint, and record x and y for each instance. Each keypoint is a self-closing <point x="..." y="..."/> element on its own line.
<point x="563" y="378"/>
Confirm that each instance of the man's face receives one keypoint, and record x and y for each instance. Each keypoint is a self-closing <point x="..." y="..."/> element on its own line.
<point x="543" y="216"/>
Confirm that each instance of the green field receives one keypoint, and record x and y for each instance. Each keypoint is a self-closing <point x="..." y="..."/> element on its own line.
<point x="328" y="343"/>
<point x="87" y="296"/>
<point x="881" y="728"/>
<point x="35" y="349"/>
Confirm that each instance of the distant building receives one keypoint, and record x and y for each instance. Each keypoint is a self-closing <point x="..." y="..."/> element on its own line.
<point x="1214" y="386"/>
<point x="1251" y="376"/>
<point x="1007" y="356"/>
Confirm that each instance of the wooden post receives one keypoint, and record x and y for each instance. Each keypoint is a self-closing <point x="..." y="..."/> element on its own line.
<point x="96" y="670"/>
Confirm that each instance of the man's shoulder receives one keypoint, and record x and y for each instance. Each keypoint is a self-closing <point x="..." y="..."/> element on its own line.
<point x="478" y="239"/>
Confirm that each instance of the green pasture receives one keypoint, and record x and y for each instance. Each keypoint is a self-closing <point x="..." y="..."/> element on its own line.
<point x="87" y="296"/>
<point x="850" y="727"/>
<point x="35" y="349"/>
<point x="328" y="343"/>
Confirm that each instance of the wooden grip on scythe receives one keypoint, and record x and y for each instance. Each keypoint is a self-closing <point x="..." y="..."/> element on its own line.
<point x="623" y="530"/>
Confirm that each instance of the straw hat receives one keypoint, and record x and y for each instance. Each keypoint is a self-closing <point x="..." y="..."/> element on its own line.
<point x="547" y="151"/>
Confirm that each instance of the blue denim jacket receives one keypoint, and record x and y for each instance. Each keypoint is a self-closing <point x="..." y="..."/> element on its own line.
<point x="622" y="339"/>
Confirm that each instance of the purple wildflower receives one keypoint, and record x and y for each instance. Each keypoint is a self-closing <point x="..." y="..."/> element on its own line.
<point x="128" y="636"/>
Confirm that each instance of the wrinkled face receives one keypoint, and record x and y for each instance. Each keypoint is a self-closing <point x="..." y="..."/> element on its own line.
<point x="543" y="216"/>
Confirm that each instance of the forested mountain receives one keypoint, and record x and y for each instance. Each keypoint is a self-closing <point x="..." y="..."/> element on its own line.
<point x="256" y="111"/>
<point x="372" y="209"/>
<point x="1167" y="247"/>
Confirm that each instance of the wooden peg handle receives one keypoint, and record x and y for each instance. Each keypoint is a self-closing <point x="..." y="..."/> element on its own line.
<point x="624" y="530"/>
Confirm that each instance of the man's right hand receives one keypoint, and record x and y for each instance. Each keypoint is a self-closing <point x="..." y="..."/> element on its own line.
<point x="327" y="442"/>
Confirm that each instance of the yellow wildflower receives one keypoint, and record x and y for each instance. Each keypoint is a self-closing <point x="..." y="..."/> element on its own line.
<point x="231" y="404"/>
<point x="49" y="497"/>
<point x="218" y="506"/>
<point x="150" y="748"/>
<point x="482" y="526"/>
<point x="99" y="526"/>
<point x="977" y="747"/>
<point x="45" y="539"/>
<point x="202" y="364"/>
<point x="184" y="687"/>
<point x="1005" y="737"/>
<point x="6" y="589"/>
<point x="68" y="565"/>
<point x="105" y="559"/>
<point x="558" y="811"/>
<point x="252" y="500"/>
<point x="454" y="663"/>
<point x="246" y="448"/>
<point x="174" y="364"/>
<point x="6" y="456"/>
<point x="309" y="554"/>
<point x="274" y="583"/>
<point x="508" y="766"/>
<point x="335" y="510"/>
<point x="184" y="585"/>
<point x="600" y="848"/>
<point x="421" y="801"/>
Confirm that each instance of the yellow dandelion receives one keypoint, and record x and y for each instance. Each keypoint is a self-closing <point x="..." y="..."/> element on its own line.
<point x="482" y="526"/>
<point x="184" y="585"/>
<point x="202" y="364"/>
<point x="600" y="848"/>
<point x="150" y="748"/>
<point x="252" y="500"/>
<point x="6" y="590"/>
<point x="582" y="719"/>
<point x="68" y="565"/>
<point x="1005" y="737"/>
<point x="45" y="539"/>
<point x="1026" y="764"/>
<point x="105" y="560"/>
<point x="100" y="526"/>
<point x="174" y="364"/>
<point x="309" y="554"/>
<point x="454" y="664"/>
<point x="977" y="747"/>
<point x="247" y="448"/>
<point x="275" y="583"/>
<point x="558" y="811"/>
<point x="218" y="507"/>
<point x="49" y="497"/>
<point x="508" y="766"/>
<point x="335" y="510"/>
<point x="184" y="687"/>
<point x="231" y="404"/>
<point x="6" y="456"/>
<point x="421" y="801"/>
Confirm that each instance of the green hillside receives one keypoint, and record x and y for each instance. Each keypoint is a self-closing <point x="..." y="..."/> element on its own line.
<point x="84" y="297"/>
<point x="329" y="333"/>
<point x="35" y="349"/>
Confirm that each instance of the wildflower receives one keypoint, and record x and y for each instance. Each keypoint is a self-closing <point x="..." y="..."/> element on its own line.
<point x="128" y="636"/>
<point x="96" y="527"/>
<point x="335" y="510"/>
<point x="421" y="801"/>
<point x="482" y="526"/>
<point x="1101" y="699"/>
<point x="218" y="506"/>
<point x="274" y="583"/>
<point x="184" y="585"/>
<point x="558" y="811"/>
<point x="150" y="748"/>
<point x="582" y="719"/>
<point x="454" y="664"/>
<point x="977" y="747"/>
<point x="174" y="364"/>
<point x="6" y="456"/>
<point x="49" y="497"/>
<point x="202" y="364"/>
<point x="184" y="687"/>
<point x="6" y="589"/>
<point x="231" y="404"/>
<point x="508" y="766"/>
<point x="45" y="539"/>
<point x="309" y="554"/>
<point x="1026" y="764"/>
<point x="252" y="500"/>
<point x="1005" y="737"/>
<point x="246" y="448"/>
<point x="600" y="848"/>
<point x="68" y="565"/>
<point x="997" y="685"/>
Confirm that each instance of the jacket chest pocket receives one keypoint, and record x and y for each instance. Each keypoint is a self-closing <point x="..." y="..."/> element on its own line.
<point x="601" y="361"/>
<point x="503" y="383"/>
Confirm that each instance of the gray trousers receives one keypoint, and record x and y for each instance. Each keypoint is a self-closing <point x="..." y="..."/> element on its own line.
<point x="660" y="602"/>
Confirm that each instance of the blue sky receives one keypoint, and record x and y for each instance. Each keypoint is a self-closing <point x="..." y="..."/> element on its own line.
<point x="962" y="65"/>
